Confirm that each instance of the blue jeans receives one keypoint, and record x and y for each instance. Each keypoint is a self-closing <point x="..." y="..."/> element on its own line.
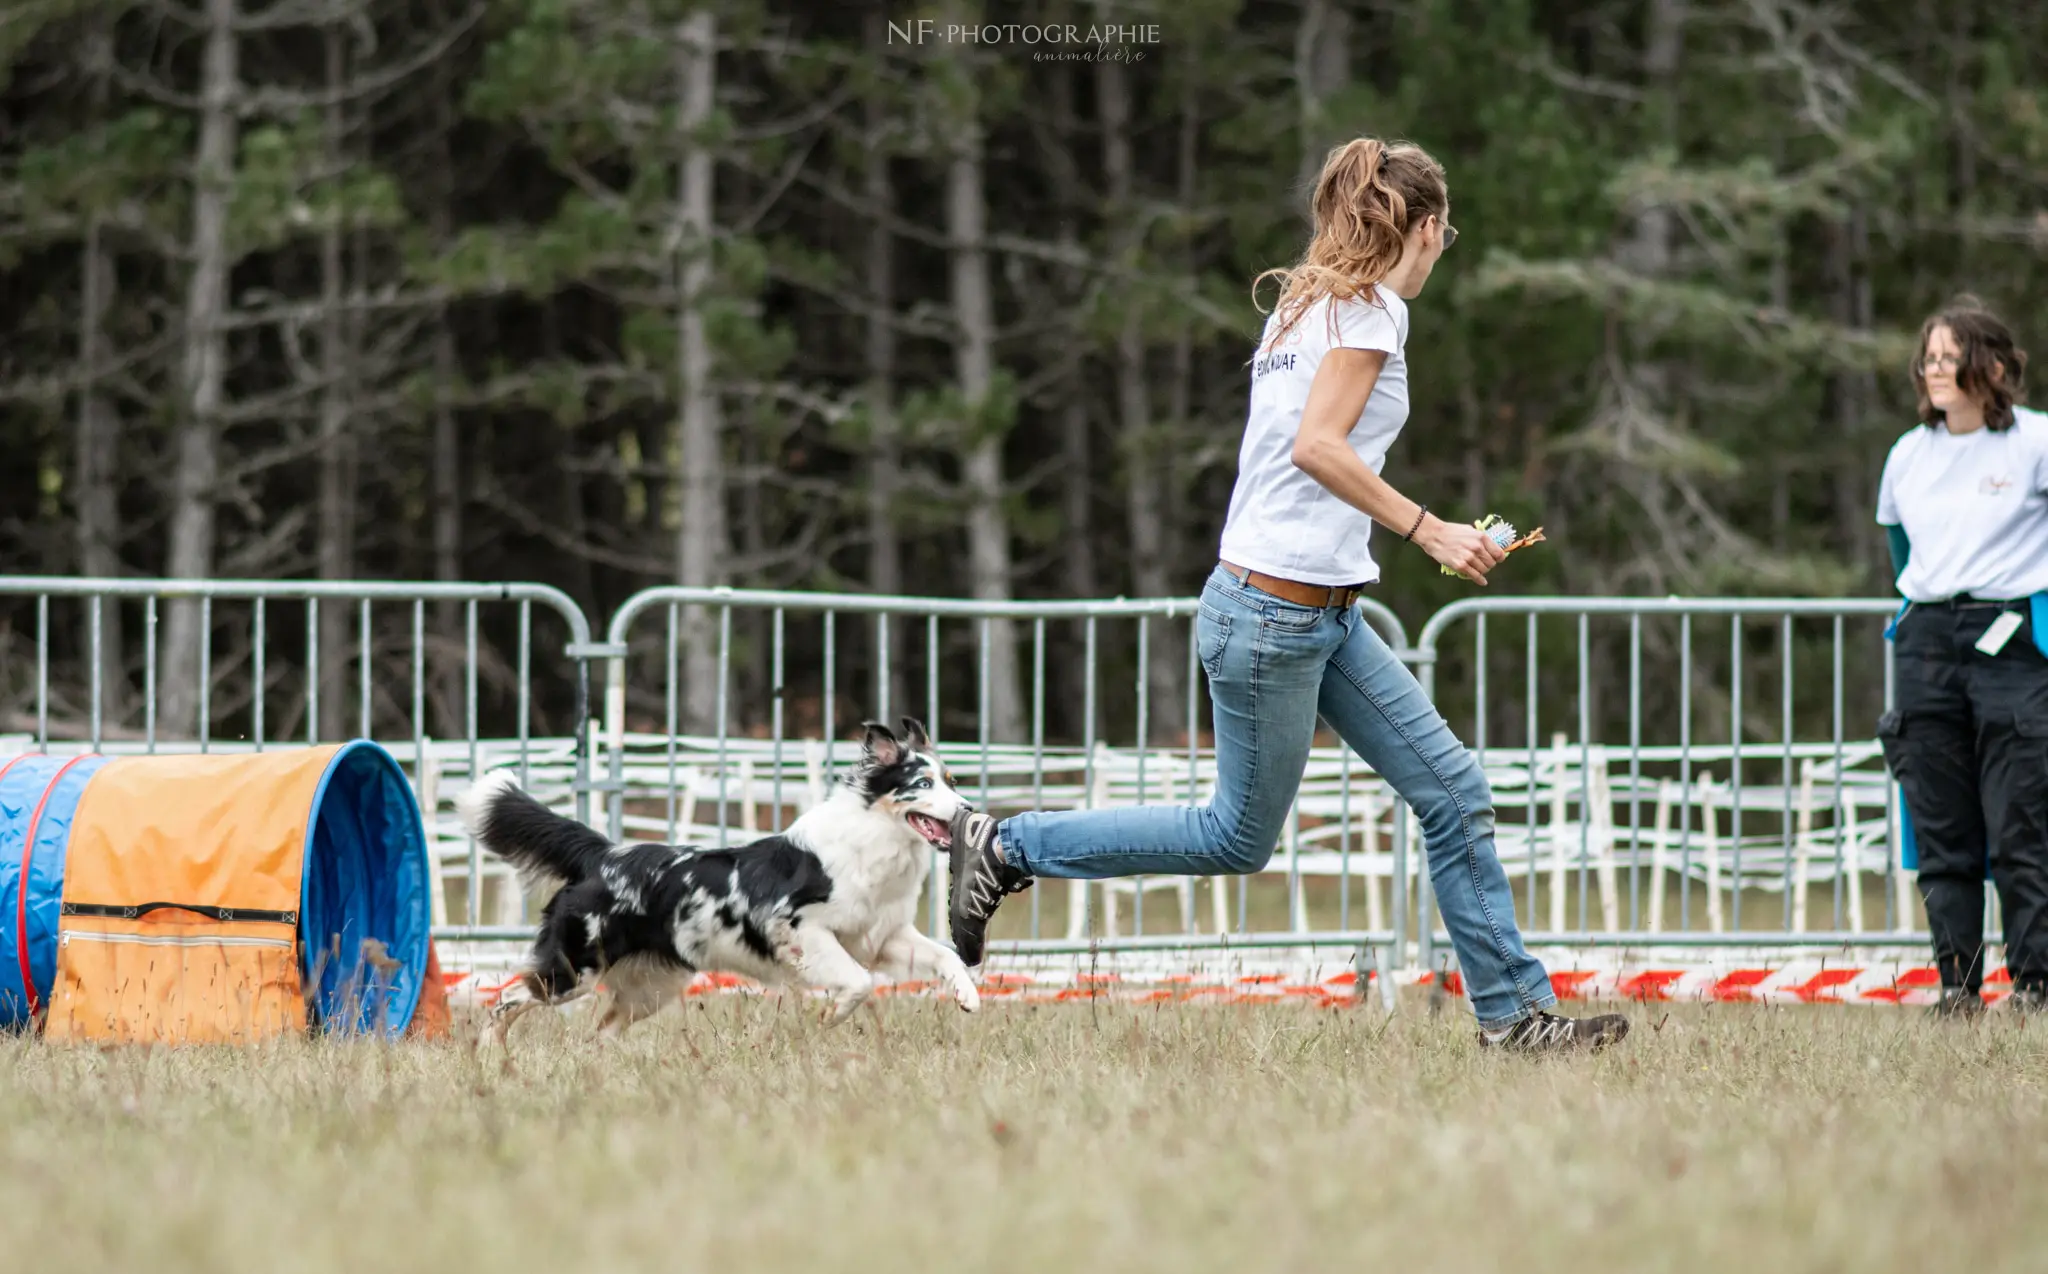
<point x="1273" y="666"/>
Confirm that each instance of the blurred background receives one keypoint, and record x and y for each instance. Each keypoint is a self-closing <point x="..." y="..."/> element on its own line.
<point x="605" y="294"/>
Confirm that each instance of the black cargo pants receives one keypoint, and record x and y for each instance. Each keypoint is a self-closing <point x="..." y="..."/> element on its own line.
<point x="1968" y="742"/>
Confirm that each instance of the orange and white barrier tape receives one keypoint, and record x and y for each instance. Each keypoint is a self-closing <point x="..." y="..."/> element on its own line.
<point x="1795" y="981"/>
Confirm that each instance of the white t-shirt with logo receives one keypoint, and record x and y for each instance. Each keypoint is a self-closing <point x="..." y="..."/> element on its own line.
<point x="1975" y="508"/>
<point x="1283" y="522"/>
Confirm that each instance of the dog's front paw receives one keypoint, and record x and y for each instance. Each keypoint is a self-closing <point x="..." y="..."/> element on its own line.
<point x="846" y="1002"/>
<point x="965" y="994"/>
<point x="494" y="1045"/>
<point x="494" y="1033"/>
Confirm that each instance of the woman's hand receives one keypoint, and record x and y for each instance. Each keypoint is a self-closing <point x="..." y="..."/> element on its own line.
<point x="1467" y="550"/>
<point x="1322" y="450"/>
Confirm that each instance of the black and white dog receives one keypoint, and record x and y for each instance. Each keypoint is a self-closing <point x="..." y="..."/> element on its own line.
<point x="826" y="904"/>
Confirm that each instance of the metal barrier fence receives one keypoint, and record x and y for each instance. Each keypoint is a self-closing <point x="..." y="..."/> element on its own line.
<point x="1667" y="773"/>
<point x="253" y="674"/>
<point x="922" y="657"/>
<point x="1800" y="812"/>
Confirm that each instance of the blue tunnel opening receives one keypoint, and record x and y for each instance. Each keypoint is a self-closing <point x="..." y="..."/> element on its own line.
<point x="365" y="879"/>
<point x="38" y="799"/>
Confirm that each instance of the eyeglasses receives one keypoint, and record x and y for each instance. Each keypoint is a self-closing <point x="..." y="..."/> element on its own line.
<point x="1946" y="363"/>
<point x="1450" y="234"/>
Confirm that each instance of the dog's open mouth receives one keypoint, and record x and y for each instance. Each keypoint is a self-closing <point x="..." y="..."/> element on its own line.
<point x="931" y="829"/>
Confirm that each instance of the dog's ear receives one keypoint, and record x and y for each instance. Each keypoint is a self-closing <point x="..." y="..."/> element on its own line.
<point x="914" y="736"/>
<point x="878" y="746"/>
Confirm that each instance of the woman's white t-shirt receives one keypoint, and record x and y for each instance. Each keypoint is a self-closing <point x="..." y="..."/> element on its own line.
<point x="1974" y="507"/>
<point x="1282" y="522"/>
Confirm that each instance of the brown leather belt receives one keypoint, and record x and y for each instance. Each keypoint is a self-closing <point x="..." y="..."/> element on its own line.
<point x="1287" y="590"/>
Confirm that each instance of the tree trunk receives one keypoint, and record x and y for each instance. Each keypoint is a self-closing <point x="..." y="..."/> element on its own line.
<point x="1780" y="284"/>
<point x="98" y="464"/>
<point x="334" y="531"/>
<point x="446" y="442"/>
<point x="885" y="451"/>
<point x="702" y="542"/>
<point x="1181" y="385"/>
<point x="97" y="456"/>
<point x="885" y="551"/>
<point x="1146" y="499"/>
<point x="749" y="678"/>
<point x="1472" y="414"/>
<point x="1322" y="68"/>
<point x="1077" y="531"/>
<point x="203" y="371"/>
<point x="988" y="528"/>
<point x="1648" y="251"/>
<point x="1781" y="507"/>
<point x="1959" y="17"/>
<point x="1077" y="554"/>
<point x="581" y="581"/>
<point x="1854" y="396"/>
<point x="1077" y="502"/>
<point x="1664" y="41"/>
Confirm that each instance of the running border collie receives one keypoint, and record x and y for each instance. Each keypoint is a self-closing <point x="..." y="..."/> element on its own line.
<point x="826" y="904"/>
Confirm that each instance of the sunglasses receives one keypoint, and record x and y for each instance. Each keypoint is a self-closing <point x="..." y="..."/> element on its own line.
<point x="1450" y="234"/>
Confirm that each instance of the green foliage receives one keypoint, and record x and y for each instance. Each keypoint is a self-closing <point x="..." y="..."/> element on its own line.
<point x="95" y="170"/>
<point x="1691" y="298"/>
<point x="281" y="190"/>
<point x="943" y="417"/>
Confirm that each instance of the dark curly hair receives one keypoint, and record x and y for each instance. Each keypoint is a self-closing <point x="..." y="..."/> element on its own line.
<point x="1988" y="348"/>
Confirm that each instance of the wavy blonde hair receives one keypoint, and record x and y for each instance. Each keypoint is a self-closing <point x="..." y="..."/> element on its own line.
<point x="1370" y="194"/>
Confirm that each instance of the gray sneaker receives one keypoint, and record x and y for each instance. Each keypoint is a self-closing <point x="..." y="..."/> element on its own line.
<point x="2028" y="1001"/>
<point x="981" y="880"/>
<point x="1958" y="1002"/>
<point x="1551" y="1033"/>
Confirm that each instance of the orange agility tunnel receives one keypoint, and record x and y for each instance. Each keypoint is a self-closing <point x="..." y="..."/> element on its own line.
<point x="186" y="899"/>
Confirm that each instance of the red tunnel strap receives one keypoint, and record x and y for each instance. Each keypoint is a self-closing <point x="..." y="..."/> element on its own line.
<point x="11" y="762"/>
<point x="28" y="850"/>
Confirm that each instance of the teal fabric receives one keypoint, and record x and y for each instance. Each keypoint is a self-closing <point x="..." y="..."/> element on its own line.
<point x="1902" y="551"/>
<point x="2037" y="616"/>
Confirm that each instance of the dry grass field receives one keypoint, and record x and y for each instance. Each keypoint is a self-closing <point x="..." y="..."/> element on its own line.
<point x="737" y="1135"/>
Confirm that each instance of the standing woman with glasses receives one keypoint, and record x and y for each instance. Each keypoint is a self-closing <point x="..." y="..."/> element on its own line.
<point x="1279" y="632"/>
<point x="1964" y="500"/>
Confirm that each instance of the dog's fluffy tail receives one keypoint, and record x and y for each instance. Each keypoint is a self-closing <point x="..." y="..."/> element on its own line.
<point x="544" y="847"/>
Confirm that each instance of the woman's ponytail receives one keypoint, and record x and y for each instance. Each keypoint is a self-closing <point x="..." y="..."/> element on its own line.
<point x="1366" y="199"/>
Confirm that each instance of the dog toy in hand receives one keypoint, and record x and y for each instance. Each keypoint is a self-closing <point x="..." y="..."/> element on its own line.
<point x="1502" y="532"/>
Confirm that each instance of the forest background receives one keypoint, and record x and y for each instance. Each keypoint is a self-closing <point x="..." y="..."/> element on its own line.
<point x="613" y="293"/>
